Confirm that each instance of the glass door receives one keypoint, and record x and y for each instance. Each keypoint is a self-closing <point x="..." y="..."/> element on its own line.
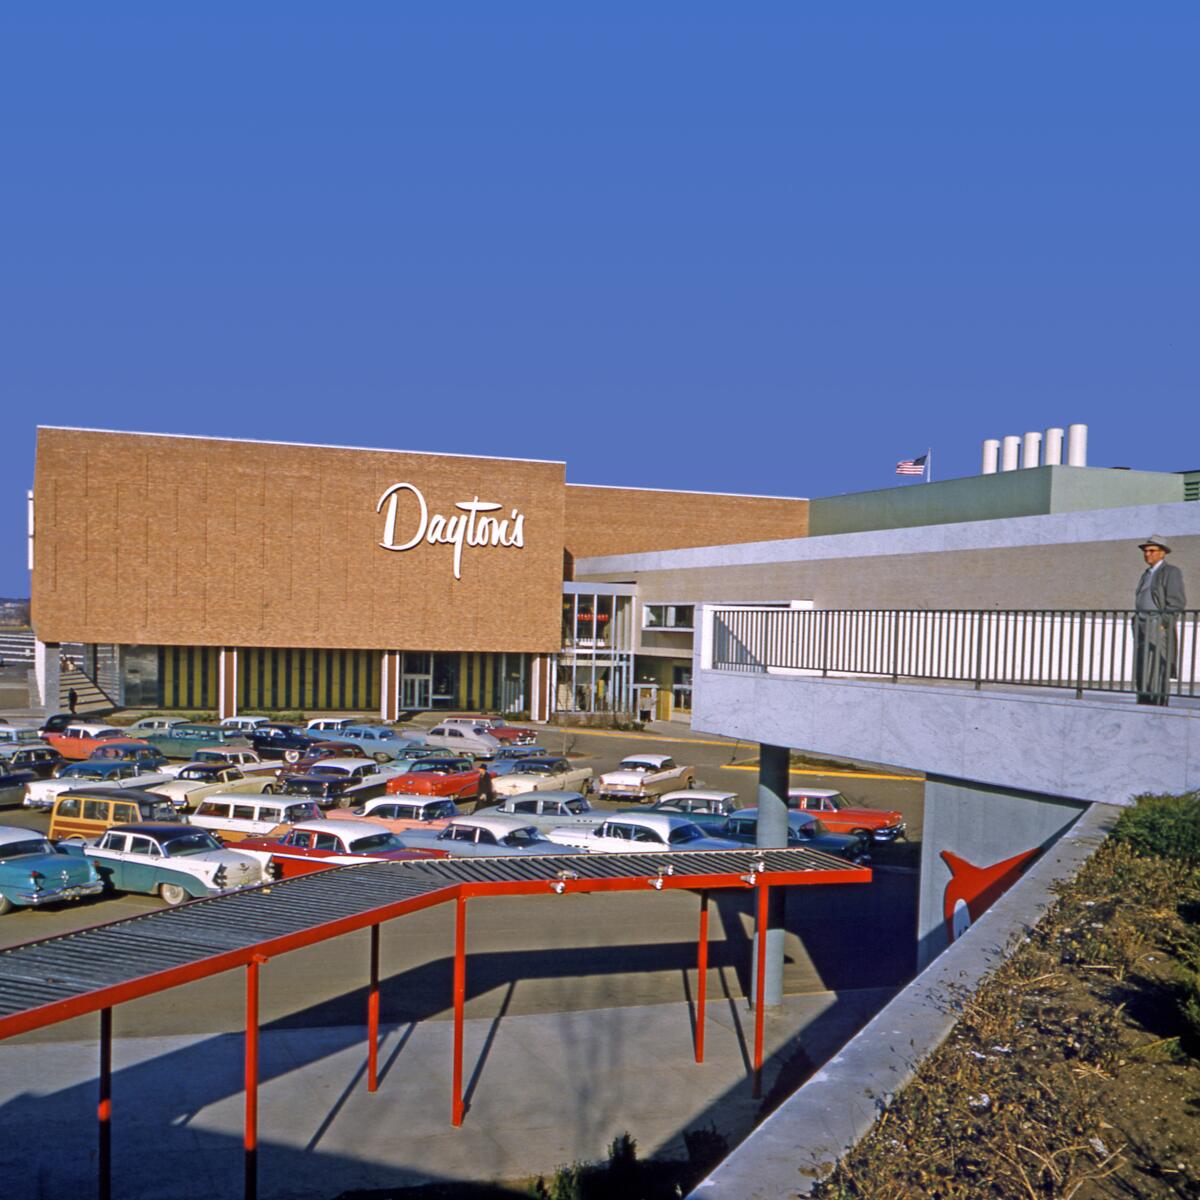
<point x="416" y="680"/>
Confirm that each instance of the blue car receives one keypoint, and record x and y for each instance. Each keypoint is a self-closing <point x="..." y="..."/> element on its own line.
<point x="33" y="872"/>
<point x="379" y="742"/>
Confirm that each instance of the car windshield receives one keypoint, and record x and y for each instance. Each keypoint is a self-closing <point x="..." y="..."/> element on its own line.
<point x="33" y="845"/>
<point x="685" y="833"/>
<point x="634" y="764"/>
<point x="376" y="842"/>
<point x="536" y="768"/>
<point x="164" y="811"/>
<point x="198" y="842"/>
<point x="525" y="836"/>
<point x="332" y="772"/>
<point x="84" y="772"/>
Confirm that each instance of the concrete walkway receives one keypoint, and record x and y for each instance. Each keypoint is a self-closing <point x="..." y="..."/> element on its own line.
<point x="543" y="1091"/>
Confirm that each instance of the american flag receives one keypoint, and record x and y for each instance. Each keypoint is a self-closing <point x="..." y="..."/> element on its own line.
<point x="912" y="466"/>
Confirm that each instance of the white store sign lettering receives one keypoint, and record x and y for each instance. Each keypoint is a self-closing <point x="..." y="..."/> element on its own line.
<point x="470" y="527"/>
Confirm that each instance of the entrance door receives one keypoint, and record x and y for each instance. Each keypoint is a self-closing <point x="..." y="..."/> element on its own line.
<point x="414" y="691"/>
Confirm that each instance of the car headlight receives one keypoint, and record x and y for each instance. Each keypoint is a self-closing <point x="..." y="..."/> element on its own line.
<point x="219" y="876"/>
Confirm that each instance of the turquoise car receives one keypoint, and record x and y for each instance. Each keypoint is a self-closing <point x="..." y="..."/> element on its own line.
<point x="33" y="872"/>
<point x="182" y="741"/>
<point x="379" y="742"/>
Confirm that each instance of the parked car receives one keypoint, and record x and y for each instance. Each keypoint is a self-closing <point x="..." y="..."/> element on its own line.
<point x="34" y="872"/>
<point x="803" y="830"/>
<point x="633" y="833"/>
<point x="544" y="775"/>
<point x="197" y="781"/>
<point x="549" y="810"/>
<point x="148" y="757"/>
<point x="86" y="812"/>
<point x="233" y="818"/>
<point x="20" y="735"/>
<point x="145" y="726"/>
<point x="707" y="807"/>
<point x="288" y="742"/>
<point x="322" y="752"/>
<point x="77" y="742"/>
<point x="329" y="724"/>
<point x="184" y="740"/>
<point x="341" y="781"/>
<point x="175" y="862"/>
<point x="487" y="836"/>
<point x="318" y="845"/>
<point x="244" y="724"/>
<point x="380" y="742"/>
<point x="403" y="813"/>
<point x="42" y="760"/>
<point x="246" y="760"/>
<point x="452" y="738"/>
<point x="516" y="753"/>
<point x="14" y="782"/>
<point x="838" y="815"/>
<point x="502" y="731"/>
<point x="57" y="723"/>
<point x="452" y="778"/>
<point x="109" y="772"/>
<point x="643" y="776"/>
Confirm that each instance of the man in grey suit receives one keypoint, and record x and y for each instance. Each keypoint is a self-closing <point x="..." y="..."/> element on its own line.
<point x="1157" y="603"/>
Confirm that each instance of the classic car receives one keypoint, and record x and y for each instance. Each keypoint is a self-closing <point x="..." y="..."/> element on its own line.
<point x="318" y="845"/>
<point x="245" y="724"/>
<point x="803" y="830"/>
<point x="633" y="833"/>
<point x="487" y="836"/>
<point x="548" y="810"/>
<point x="199" y="780"/>
<point x="42" y="760"/>
<point x="707" y="807"/>
<point x="516" y="753"/>
<point x="838" y="815"/>
<point x="78" y="741"/>
<point x="109" y="772"/>
<point x="544" y="775"/>
<point x="341" y="781"/>
<point x="145" y="726"/>
<point x="148" y="757"/>
<point x="247" y="761"/>
<point x="85" y="813"/>
<point x="452" y="778"/>
<point x="402" y="813"/>
<point x="14" y="783"/>
<point x="380" y="742"/>
<point x="329" y="724"/>
<point x="33" y="872"/>
<point x="175" y="862"/>
<point x="641" y="776"/>
<point x="278" y="740"/>
<point x="233" y="818"/>
<point x="452" y="738"/>
<point x="320" y="753"/>
<point x="57" y="723"/>
<point x="184" y="740"/>
<point x="20" y="735"/>
<point x="506" y="734"/>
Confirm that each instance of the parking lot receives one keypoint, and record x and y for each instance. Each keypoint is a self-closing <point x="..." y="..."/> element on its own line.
<point x="560" y="954"/>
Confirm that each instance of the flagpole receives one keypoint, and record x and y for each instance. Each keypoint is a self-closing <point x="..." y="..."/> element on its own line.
<point x="929" y="465"/>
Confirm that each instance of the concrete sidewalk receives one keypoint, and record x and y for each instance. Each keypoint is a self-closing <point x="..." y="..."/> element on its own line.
<point x="542" y="1090"/>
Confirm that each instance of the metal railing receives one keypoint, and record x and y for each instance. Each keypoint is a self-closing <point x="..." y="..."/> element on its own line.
<point x="1110" y="650"/>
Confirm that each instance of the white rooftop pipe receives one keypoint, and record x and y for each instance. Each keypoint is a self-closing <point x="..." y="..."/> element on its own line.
<point x="1053" y="448"/>
<point x="1031" y="449"/>
<point x="1077" y="445"/>
<point x="991" y="456"/>
<point x="1011" y="454"/>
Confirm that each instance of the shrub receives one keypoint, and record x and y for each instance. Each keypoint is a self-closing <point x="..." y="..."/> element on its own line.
<point x="1167" y="826"/>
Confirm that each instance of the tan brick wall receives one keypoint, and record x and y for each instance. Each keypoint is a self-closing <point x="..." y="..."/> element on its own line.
<point x="602" y="520"/>
<point x="191" y="541"/>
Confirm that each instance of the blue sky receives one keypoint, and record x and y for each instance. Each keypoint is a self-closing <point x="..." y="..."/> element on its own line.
<point x="769" y="248"/>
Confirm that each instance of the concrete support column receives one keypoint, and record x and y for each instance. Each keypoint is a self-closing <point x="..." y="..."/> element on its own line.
<point x="228" y="664"/>
<point x="540" y="686"/>
<point x="389" y="685"/>
<point x="773" y="764"/>
<point x="46" y="667"/>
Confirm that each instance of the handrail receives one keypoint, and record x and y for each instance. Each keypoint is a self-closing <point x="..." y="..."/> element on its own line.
<point x="1155" y="655"/>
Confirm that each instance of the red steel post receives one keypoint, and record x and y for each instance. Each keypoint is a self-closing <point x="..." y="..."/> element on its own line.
<point x="701" y="976"/>
<point x="760" y="982"/>
<point x="104" y="1107"/>
<point x="250" y="1138"/>
<point x="373" y="1015"/>
<point x="460" y="993"/>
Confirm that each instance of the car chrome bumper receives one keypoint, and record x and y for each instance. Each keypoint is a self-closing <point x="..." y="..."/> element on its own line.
<point x="891" y="833"/>
<point x="34" y="899"/>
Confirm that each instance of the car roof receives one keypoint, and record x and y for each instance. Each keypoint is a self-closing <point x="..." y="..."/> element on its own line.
<point x="342" y="761"/>
<point x="153" y="829"/>
<point x="330" y="825"/>
<point x="133" y="795"/>
<point x="545" y="795"/>
<point x="498" y="823"/>
<point x="401" y="798"/>
<point x="794" y="815"/>
<point x="93" y="729"/>
<point x="657" y="759"/>
<point x="661" y="822"/>
<point x="695" y="794"/>
<point x="818" y="792"/>
<point x="14" y="833"/>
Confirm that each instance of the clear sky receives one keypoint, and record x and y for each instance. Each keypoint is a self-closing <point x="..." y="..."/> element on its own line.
<point x="770" y="248"/>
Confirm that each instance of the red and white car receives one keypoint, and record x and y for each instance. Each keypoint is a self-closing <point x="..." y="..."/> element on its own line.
<point x="838" y="815"/>
<point x="450" y="778"/>
<point x="509" y="735"/>
<point x="79" y="740"/>
<point x="318" y="845"/>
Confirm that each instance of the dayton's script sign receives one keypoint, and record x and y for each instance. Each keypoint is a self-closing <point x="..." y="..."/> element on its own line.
<point x="470" y="527"/>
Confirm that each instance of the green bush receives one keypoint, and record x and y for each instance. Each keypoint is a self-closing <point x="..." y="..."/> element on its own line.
<point x="1166" y="826"/>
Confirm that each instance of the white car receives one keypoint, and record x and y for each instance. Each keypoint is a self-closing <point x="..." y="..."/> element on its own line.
<point x="485" y="836"/>
<point x="457" y="740"/>
<point x="543" y="775"/>
<point x="641" y="833"/>
<point x="245" y="724"/>
<point x="643" y="776"/>
<point x="199" y="780"/>
<point x="41" y="793"/>
<point x="247" y="761"/>
<point x="330" y="724"/>
<point x="549" y="810"/>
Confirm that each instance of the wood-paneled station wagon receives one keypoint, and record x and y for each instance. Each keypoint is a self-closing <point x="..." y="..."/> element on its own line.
<point x="644" y="776"/>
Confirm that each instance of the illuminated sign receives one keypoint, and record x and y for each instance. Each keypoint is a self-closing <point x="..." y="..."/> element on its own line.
<point x="471" y="526"/>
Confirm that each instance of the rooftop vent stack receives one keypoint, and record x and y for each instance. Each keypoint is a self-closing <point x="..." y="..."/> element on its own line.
<point x="1052" y="453"/>
<point x="1076" y="445"/>
<point x="1031" y="450"/>
<point x="991" y="456"/>
<point x="1011" y="455"/>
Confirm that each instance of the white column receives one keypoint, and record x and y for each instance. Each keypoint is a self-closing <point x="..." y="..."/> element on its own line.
<point x="46" y="669"/>
<point x="1053" y="448"/>
<point x="1077" y="436"/>
<point x="991" y="456"/>
<point x="1030" y="450"/>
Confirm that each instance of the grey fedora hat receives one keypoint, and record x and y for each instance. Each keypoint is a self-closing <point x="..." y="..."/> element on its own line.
<point x="1155" y="540"/>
